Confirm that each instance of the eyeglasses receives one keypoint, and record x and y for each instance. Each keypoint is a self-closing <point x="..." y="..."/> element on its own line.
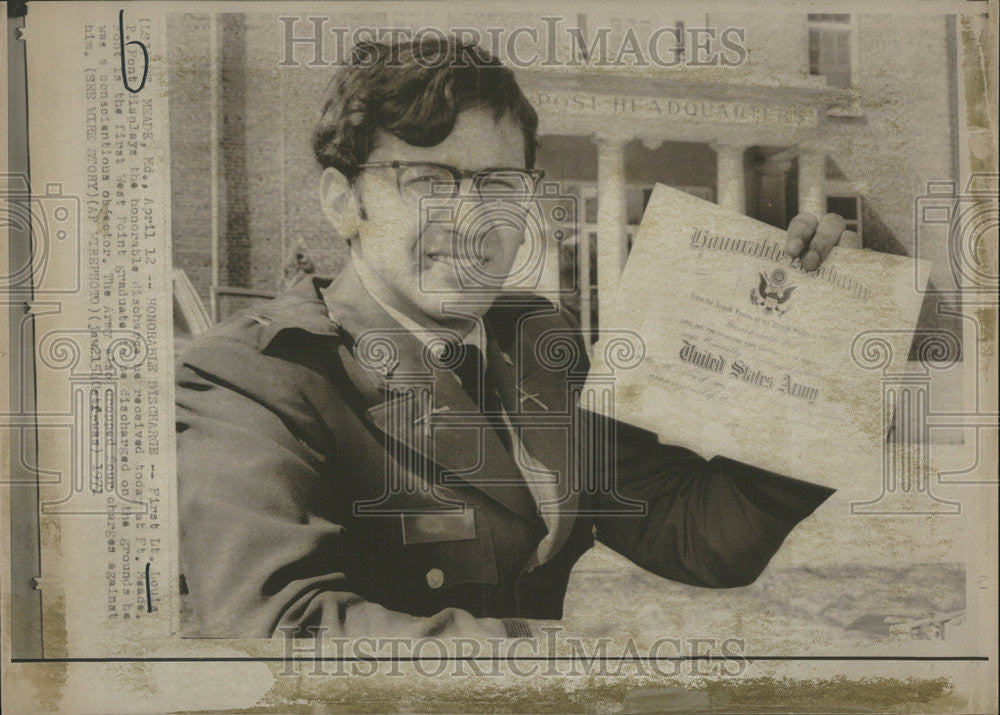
<point x="417" y="180"/>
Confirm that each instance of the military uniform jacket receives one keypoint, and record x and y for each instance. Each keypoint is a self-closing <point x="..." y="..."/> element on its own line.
<point x="331" y="476"/>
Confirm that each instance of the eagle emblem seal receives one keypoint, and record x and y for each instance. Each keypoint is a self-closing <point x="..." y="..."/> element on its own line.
<point x="773" y="292"/>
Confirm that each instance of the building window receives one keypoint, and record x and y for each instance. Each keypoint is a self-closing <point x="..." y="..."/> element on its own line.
<point x="847" y="206"/>
<point x="830" y="48"/>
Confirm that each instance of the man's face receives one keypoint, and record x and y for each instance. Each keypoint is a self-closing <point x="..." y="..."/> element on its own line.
<point x="418" y="264"/>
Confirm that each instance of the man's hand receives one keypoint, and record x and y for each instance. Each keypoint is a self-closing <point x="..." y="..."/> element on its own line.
<point x="812" y="238"/>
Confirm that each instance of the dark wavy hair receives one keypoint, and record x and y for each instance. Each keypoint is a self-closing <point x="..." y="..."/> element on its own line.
<point x="415" y="91"/>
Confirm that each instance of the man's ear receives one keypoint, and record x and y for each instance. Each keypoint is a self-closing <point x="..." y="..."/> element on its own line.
<point x="339" y="202"/>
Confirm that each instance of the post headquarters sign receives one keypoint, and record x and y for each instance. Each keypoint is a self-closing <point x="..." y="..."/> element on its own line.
<point x="676" y="108"/>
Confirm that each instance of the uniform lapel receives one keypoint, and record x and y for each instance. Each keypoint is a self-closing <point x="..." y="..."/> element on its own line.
<point x="417" y="403"/>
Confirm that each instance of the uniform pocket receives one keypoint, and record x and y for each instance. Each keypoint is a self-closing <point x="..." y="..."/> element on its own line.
<point x="445" y="563"/>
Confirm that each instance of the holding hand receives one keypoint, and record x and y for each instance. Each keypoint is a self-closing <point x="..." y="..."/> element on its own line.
<point x="812" y="238"/>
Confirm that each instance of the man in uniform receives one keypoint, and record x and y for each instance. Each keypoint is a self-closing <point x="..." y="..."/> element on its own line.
<point x="399" y="451"/>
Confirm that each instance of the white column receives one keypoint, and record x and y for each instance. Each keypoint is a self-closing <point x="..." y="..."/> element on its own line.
<point x="730" y="182"/>
<point x="812" y="175"/>
<point x="612" y="242"/>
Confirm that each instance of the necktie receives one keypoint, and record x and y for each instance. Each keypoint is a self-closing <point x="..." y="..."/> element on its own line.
<point x="470" y="370"/>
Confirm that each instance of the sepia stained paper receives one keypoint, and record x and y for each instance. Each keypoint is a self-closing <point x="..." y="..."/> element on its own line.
<point x="762" y="359"/>
<point x="161" y="178"/>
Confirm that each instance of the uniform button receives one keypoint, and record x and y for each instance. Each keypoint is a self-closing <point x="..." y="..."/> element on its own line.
<point x="435" y="578"/>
